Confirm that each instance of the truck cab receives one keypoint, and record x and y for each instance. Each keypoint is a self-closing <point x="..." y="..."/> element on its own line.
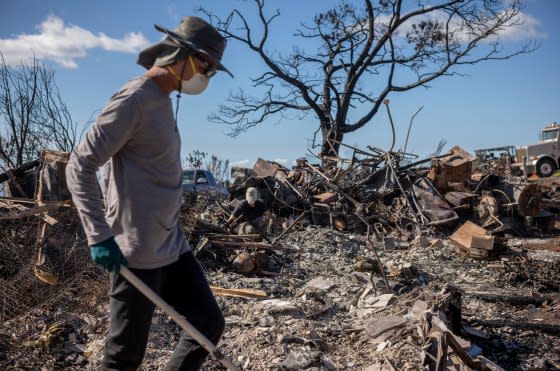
<point x="543" y="157"/>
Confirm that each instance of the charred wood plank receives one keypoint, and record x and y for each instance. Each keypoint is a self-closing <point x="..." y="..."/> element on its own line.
<point x="542" y="327"/>
<point x="20" y="171"/>
<point x="509" y="299"/>
<point x="34" y="211"/>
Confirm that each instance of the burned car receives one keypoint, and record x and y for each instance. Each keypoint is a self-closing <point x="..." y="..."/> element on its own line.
<point x="201" y="181"/>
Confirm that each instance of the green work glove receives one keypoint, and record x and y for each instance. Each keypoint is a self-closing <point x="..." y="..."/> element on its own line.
<point x="108" y="254"/>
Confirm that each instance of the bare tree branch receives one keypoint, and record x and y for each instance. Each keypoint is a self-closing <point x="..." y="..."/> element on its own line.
<point x="33" y="115"/>
<point x="363" y="53"/>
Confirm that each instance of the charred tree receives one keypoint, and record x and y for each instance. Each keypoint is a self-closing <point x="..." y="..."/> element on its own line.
<point x="352" y="57"/>
<point x="33" y="116"/>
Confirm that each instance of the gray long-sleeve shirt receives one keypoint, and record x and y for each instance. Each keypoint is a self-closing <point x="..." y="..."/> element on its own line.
<point x="136" y="138"/>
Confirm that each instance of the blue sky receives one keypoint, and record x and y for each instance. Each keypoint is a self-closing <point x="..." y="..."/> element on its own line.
<point x="95" y="44"/>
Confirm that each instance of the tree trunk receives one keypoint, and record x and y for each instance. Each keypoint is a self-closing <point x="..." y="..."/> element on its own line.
<point x="330" y="145"/>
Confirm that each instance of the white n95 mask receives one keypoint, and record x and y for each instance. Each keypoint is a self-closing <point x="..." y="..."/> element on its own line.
<point x="195" y="85"/>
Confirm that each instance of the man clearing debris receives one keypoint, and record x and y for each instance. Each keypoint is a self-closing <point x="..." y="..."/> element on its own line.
<point x="255" y="216"/>
<point x="299" y="173"/>
<point x="136" y="137"/>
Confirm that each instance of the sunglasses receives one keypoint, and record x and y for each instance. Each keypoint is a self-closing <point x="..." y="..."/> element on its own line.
<point x="208" y="70"/>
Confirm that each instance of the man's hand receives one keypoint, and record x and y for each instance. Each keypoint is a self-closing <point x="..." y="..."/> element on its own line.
<point x="108" y="254"/>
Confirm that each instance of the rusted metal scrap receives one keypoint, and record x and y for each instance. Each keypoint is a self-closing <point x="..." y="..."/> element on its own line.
<point x="535" y="198"/>
<point x="454" y="168"/>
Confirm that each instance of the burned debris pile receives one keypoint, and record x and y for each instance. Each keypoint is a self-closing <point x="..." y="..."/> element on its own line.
<point x="41" y="242"/>
<point x="375" y="194"/>
<point x="380" y="261"/>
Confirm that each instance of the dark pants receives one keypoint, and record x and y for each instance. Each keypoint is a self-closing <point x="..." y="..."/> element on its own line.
<point x="182" y="285"/>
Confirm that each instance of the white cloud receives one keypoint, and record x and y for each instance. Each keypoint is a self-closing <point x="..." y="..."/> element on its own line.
<point x="523" y="27"/>
<point x="64" y="44"/>
<point x="527" y="28"/>
<point x="243" y="163"/>
<point x="281" y="161"/>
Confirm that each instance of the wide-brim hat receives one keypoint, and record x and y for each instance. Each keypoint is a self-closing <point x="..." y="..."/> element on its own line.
<point x="194" y="35"/>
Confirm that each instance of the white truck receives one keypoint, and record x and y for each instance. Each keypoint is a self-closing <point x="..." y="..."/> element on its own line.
<point x="543" y="157"/>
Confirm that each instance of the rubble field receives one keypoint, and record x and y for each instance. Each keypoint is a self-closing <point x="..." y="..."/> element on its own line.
<point x="324" y="313"/>
<point x="380" y="264"/>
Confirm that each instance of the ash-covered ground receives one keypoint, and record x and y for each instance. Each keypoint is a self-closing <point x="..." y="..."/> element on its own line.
<point x="325" y="303"/>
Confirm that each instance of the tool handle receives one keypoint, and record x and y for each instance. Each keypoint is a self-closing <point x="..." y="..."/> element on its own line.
<point x="178" y="318"/>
